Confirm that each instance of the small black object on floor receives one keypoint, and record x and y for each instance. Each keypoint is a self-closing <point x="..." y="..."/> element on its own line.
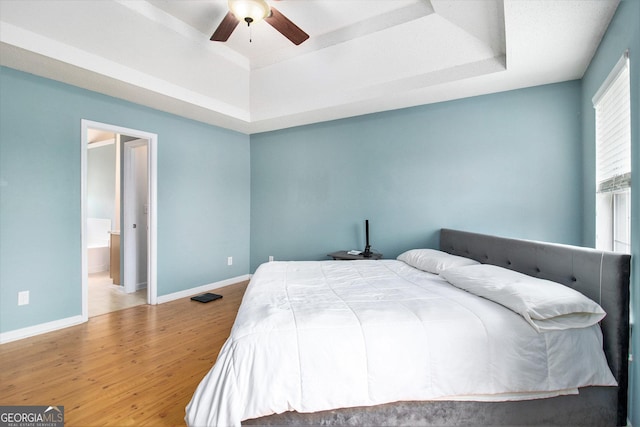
<point x="206" y="297"/>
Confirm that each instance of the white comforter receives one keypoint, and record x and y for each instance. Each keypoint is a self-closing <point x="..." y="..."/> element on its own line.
<point x="312" y="336"/>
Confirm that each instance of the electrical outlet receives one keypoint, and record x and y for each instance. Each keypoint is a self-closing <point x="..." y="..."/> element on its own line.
<point x="270" y="258"/>
<point x="23" y="297"/>
<point x="230" y="260"/>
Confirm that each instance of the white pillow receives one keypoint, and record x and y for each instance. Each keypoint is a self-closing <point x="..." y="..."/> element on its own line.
<point x="433" y="261"/>
<point x="546" y="305"/>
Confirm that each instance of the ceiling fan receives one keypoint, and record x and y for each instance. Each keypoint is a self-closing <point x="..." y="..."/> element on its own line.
<point x="253" y="11"/>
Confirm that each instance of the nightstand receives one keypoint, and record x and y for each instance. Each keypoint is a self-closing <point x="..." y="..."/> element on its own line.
<point x="345" y="256"/>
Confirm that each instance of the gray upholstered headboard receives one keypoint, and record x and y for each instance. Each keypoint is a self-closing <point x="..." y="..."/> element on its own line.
<point x="602" y="276"/>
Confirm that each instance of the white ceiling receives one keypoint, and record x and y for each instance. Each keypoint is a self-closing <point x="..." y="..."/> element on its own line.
<point x="362" y="56"/>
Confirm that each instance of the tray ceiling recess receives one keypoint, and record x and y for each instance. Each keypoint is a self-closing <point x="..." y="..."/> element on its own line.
<point x="360" y="56"/>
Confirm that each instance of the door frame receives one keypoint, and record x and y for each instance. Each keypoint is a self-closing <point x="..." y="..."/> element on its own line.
<point x="152" y="249"/>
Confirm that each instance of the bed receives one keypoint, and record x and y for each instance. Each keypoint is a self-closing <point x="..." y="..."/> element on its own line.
<point x="387" y="343"/>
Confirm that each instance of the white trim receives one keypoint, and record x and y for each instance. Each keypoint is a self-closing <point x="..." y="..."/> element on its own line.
<point x="204" y="288"/>
<point x="152" y="138"/>
<point x="84" y="259"/>
<point x="622" y="63"/>
<point x="42" y="328"/>
<point x="152" y="221"/>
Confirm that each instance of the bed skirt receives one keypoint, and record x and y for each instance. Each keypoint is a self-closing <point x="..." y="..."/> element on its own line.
<point x="594" y="406"/>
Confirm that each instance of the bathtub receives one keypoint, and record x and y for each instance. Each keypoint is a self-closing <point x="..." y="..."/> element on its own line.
<point x="98" y="230"/>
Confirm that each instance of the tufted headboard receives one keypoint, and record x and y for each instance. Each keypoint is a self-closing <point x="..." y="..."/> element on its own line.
<point x="602" y="276"/>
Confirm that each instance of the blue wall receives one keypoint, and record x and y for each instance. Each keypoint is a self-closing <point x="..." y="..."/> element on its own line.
<point x="203" y="196"/>
<point x="623" y="33"/>
<point x="507" y="163"/>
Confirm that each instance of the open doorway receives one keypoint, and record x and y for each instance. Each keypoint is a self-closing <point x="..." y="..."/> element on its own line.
<point x="118" y="217"/>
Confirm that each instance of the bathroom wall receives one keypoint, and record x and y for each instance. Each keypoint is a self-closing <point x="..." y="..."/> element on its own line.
<point x="101" y="181"/>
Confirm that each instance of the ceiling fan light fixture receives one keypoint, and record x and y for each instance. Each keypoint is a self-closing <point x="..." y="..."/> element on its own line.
<point x="249" y="11"/>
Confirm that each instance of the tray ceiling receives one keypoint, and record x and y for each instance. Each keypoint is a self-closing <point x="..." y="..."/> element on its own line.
<point x="363" y="56"/>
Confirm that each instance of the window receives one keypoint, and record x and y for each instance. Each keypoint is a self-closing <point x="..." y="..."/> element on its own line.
<point x="613" y="160"/>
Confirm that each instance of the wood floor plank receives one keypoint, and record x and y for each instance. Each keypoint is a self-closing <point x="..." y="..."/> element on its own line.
<point x="134" y="367"/>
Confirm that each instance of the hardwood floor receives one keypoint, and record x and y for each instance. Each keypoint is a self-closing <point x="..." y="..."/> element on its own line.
<point x="133" y="367"/>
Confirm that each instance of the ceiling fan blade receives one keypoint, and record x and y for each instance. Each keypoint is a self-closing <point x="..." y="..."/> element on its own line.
<point x="287" y="28"/>
<point x="226" y="27"/>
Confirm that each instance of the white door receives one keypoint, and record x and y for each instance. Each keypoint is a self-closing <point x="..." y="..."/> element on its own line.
<point x="136" y="209"/>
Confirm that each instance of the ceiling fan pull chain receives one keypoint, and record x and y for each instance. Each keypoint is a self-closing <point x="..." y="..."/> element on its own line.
<point x="249" y="20"/>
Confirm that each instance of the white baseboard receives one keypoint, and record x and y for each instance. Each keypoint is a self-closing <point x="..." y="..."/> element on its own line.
<point x="42" y="328"/>
<point x="140" y="286"/>
<point x="203" y="288"/>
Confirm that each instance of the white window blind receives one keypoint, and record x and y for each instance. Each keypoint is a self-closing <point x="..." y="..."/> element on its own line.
<point x="613" y="130"/>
